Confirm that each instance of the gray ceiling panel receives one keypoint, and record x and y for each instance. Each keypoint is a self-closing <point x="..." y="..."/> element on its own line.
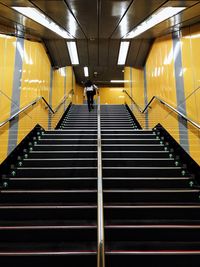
<point x="138" y="12"/>
<point x="93" y="50"/>
<point x="59" y="12"/>
<point x="82" y="47"/>
<point x="103" y="52"/>
<point x="143" y="53"/>
<point x="86" y="13"/>
<point x="133" y="52"/>
<point x="58" y="52"/>
<point x="112" y="12"/>
<point x="113" y="52"/>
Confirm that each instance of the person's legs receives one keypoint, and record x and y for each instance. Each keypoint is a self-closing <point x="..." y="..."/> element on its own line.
<point x="89" y="100"/>
<point x="92" y="100"/>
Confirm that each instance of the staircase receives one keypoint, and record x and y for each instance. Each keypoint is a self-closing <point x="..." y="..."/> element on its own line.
<point x="152" y="215"/>
<point x="48" y="210"/>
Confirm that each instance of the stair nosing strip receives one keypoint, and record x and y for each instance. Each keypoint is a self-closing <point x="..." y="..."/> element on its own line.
<point x="152" y="191"/>
<point x="55" y="168"/>
<point x="46" y="191"/>
<point x="28" y="253"/>
<point x="161" y="252"/>
<point x="29" y="227"/>
<point x="151" y="168"/>
<point x="48" y="207"/>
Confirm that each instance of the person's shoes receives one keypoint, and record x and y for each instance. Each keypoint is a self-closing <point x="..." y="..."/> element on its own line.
<point x="89" y="110"/>
<point x="92" y="107"/>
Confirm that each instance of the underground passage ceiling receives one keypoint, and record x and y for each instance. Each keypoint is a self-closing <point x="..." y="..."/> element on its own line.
<point x="97" y="28"/>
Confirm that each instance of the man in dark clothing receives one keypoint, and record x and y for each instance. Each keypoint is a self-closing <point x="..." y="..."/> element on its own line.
<point x="90" y="91"/>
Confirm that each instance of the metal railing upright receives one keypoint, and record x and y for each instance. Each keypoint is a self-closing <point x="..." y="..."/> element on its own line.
<point x="100" y="212"/>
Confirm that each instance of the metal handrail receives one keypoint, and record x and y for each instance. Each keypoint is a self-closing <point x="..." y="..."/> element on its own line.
<point x="164" y="103"/>
<point x="32" y="104"/>
<point x="100" y="213"/>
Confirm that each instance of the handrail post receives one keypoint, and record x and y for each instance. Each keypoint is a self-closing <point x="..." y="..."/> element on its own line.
<point x="100" y="215"/>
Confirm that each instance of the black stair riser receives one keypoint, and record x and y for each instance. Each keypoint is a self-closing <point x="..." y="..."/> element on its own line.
<point x="50" y="259"/>
<point x="128" y="141"/>
<point x="150" y="213"/>
<point x="164" y="260"/>
<point x="156" y="234"/>
<point x="138" y="163"/>
<point x="48" y="235"/>
<point x="47" y="214"/>
<point x="65" y="148"/>
<point x="69" y="136"/>
<point x="144" y="184"/>
<point x="141" y="172"/>
<point x="64" y="155"/>
<point x="150" y="197"/>
<point x="67" y="198"/>
<point x="69" y="141"/>
<point x="78" y="131"/>
<point x="138" y="154"/>
<point x="131" y="136"/>
<point x="57" y="172"/>
<point x="129" y="131"/>
<point x="55" y="184"/>
<point x="60" y="163"/>
<point x="116" y="147"/>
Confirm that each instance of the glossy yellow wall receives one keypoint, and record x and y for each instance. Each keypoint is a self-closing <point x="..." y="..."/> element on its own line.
<point x="111" y="95"/>
<point x="161" y="81"/>
<point x="34" y="82"/>
<point x="134" y="85"/>
<point x="160" y="78"/>
<point x="7" y="52"/>
<point x="78" y="95"/>
<point x="191" y="75"/>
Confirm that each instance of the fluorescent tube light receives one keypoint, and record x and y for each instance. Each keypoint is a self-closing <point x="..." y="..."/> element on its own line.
<point x="40" y="18"/>
<point x="159" y="16"/>
<point x="123" y="51"/>
<point x="119" y="81"/>
<point x="86" y="72"/>
<point x="73" y="53"/>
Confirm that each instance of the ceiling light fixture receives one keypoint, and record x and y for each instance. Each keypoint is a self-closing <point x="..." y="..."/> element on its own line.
<point x="73" y="53"/>
<point x="40" y="18"/>
<point x="119" y="81"/>
<point x="123" y="51"/>
<point x="156" y="18"/>
<point x="86" y="72"/>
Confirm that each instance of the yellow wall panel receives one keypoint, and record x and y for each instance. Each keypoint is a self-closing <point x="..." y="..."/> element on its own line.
<point x="138" y="86"/>
<point x="111" y="96"/>
<point x="78" y="95"/>
<point x="69" y="79"/>
<point x="161" y="82"/>
<point x="191" y="76"/>
<point x="127" y="84"/>
<point x="7" y="63"/>
<point x="34" y="82"/>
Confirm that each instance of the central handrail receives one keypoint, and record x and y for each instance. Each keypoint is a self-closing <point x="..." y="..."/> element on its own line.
<point x="32" y="103"/>
<point x="164" y="103"/>
<point x="100" y="213"/>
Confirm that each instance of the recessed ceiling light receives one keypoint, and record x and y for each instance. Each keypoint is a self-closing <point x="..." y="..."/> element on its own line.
<point x="156" y="18"/>
<point x="40" y="18"/>
<point x="119" y="81"/>
<point x="73" y="53"/>
<point x="123" y="51"/>
<point x="86" y="72"/>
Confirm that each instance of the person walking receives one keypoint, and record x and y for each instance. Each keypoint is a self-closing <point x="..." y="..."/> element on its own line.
<point x="90" y="90"/>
